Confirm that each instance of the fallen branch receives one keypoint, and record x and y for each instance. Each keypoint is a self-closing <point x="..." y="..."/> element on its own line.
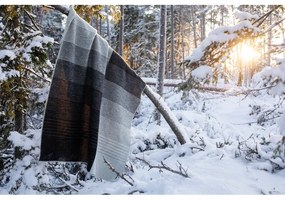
<point x="182" y="171"/>
<point x="67" y="184"/>
<point x="165" y="111"/>
<point x="177" y="82"/>
<point x="116" y="172"/>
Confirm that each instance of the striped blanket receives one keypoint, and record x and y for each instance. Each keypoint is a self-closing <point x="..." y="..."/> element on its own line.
<point x="92" y="100"/>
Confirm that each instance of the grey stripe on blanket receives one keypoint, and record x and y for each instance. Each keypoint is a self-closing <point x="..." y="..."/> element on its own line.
<point x="92" y="100"/>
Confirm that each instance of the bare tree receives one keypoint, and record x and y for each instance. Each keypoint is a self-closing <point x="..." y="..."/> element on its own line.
<point x="172" y="42"/>
<point x="194" y="25"/>
<point x="161" y="56"/>
<point x="269" y="39"/>
<point x="181" y="27"/>
<point x="203" y="23"/>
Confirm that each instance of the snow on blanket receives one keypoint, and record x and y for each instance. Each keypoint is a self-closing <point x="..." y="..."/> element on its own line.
<point x="216" y="123"/>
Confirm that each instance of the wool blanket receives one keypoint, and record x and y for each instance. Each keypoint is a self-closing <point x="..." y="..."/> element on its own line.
<point x="93" y="97"/>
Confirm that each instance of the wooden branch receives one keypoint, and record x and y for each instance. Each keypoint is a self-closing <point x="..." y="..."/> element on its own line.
<point x="181" y="171"/>
<point x="116" y="172"/>
<point x="273" y="25"/>
<point x="31" y="18"/>
<point x="263" y="17"/>
<point x="67" y="184"/>
<point x="61" y="9"/>
<point x="167" y="114"/>
<point x="169" y="84"/>
<point x="34" y="73"/>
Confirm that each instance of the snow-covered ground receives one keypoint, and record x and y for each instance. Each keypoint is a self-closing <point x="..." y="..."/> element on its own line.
<point x="227" y="154"/>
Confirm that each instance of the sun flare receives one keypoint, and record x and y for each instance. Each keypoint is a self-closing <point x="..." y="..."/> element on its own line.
<point x="248" y="53"/>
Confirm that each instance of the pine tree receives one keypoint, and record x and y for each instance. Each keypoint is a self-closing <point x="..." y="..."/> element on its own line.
<point x="24" y="67"/>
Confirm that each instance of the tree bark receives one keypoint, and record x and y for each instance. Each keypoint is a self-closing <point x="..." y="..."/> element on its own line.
<point x="108" y="25"/>
<point x="167" y="114"/>
<point x="121" y="37"/>
<point x="172" y="42"/>
<point x="194" y="26"/>
<point x="202" y="24"/>
<point x="222" y="15"/>
<point x="181" y="27"/>
<point x="161" y="55"/>
<point x="269" y="40"/>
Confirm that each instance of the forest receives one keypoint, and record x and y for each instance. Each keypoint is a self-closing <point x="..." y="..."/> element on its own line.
<point x="211" y="118"/>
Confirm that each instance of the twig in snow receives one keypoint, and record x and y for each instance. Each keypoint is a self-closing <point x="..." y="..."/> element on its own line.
<point x="139" y="191"/>
<point x="182" y="171"/>
<point x="117" y="173"/>
<point x="69" y="185"/>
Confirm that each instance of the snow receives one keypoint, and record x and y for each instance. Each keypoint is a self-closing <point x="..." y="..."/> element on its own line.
<point x="269" y="74"/>
<point x="202" y="72"/>
<point x="38" y="41"/>
<point x="6" y="74"/>
<point x="281" y="123"/>
<point x="7" y="53"/>
<point x="153" y="81"/>
<point x="215" y="158"/>
<point x="242" y="16"/>
<point x="220" y="35"/>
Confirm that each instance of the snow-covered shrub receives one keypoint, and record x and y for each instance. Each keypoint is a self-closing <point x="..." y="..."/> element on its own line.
<point x="273" y="78"/>
<point x="159" y="139"/>
<point x="266" y="153"/>
<point x="24" y="173"/>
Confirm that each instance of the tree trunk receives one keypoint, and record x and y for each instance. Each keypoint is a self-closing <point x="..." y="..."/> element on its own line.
<point x="194" y="26"/>
<point x="202" y="24"/>
<point x="269" y="40"/>
<point x="222" y="15"/>
<point x="121" y="34"/>
<point x="161" y="55"/>
<point x="172" y="42"/>
<point x="108" y="25"/>
<point x="181" y="27"/>
<point x="167" y="114"/>
<point x="100" y="26"/>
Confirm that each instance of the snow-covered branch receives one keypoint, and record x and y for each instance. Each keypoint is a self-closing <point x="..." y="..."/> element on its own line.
<point x="182" y="171"/>
<point x="167" y="114"/>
